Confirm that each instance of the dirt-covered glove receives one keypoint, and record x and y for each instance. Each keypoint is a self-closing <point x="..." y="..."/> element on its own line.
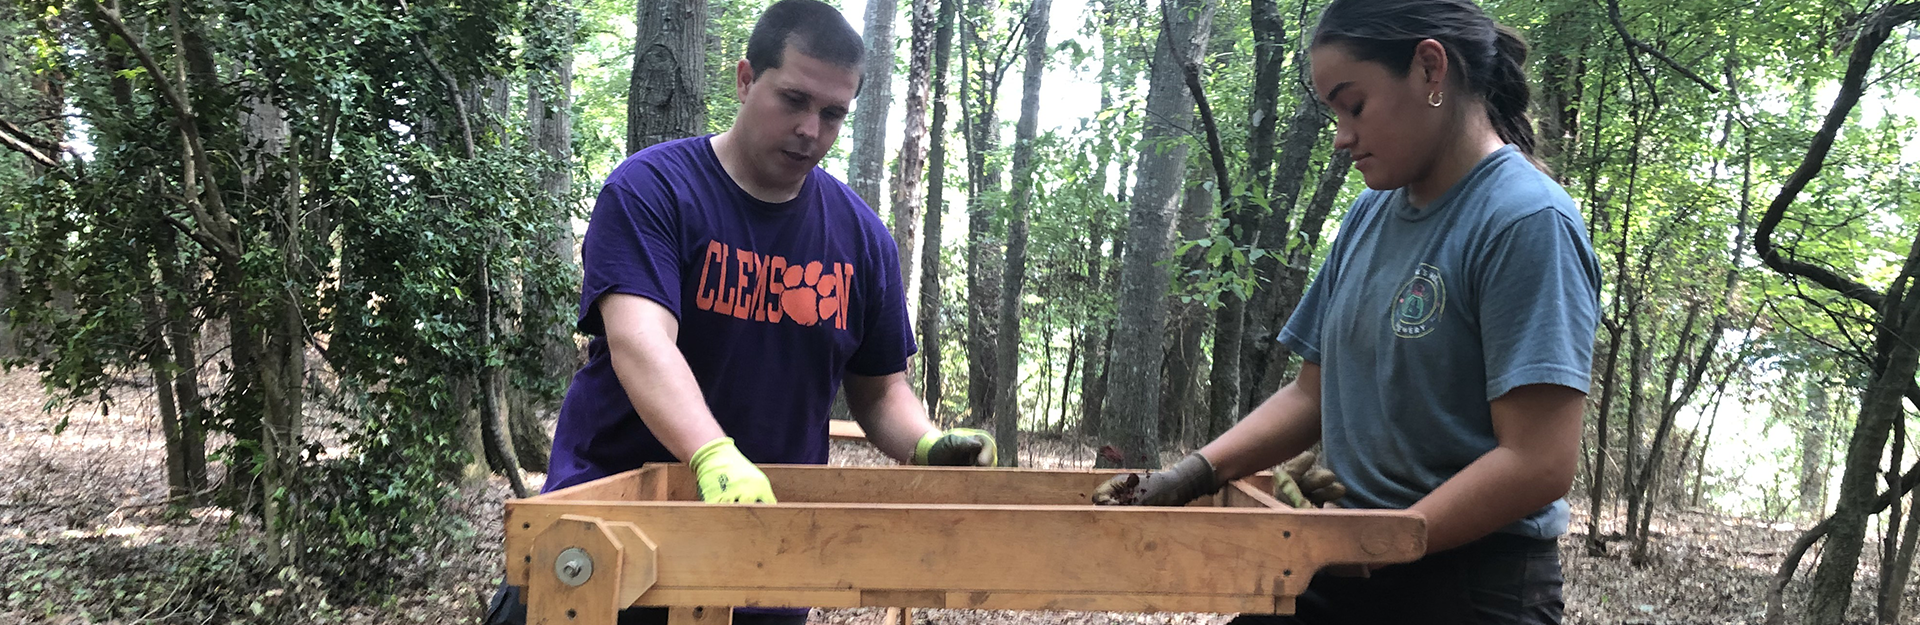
<point x="1187" y="480"/>
<point x="726" y="476"/>
<point x="1299" y="484"/>
<point x="958" y="447"/>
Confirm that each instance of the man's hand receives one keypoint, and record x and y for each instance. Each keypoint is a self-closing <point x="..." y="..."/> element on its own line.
<point x="958" y="447"/>
<point x="726" y="476"/>
<point x="1185" y="481"/>
<point x="1299" y="484"/>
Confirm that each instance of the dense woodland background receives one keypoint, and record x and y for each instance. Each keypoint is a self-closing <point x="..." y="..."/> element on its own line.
<point x="331" y="244"/>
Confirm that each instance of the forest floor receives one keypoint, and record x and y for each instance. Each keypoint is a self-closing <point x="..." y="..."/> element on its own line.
<point x="85" y="537"/>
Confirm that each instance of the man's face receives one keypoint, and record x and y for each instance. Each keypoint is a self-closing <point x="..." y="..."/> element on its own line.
<point x="790" y="115"/>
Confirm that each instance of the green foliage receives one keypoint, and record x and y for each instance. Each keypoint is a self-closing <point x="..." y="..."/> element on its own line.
<point x="131" y="580"/>
<point x="370" y="225"/>
<point x="369" y="513"/>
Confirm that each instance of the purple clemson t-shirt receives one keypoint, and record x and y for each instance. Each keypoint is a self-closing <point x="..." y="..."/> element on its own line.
<point x="775" y="302"/>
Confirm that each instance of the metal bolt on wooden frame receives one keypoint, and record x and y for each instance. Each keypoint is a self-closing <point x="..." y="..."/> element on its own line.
<point x="921" y="537"/>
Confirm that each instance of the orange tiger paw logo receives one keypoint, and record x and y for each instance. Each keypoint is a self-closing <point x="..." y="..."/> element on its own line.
<point x="800" y="300"/>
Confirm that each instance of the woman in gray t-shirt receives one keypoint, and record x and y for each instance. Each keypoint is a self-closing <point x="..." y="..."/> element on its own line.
<point x="1448" y="337"/>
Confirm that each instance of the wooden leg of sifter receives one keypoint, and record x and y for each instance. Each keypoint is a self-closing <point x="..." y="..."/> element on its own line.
<point x="702" y="615"/>
<point x="586" y="570"/>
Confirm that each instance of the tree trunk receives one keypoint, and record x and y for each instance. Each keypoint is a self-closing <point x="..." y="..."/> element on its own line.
<point x="1670" y="411"/>
<point x="666" y="98"/>
<point x="1129" y="425"/>
<point x="159" y="358"/>
<point x="1890" y="534"/>
<point x="1813" y="451"/>
<point x="493" y="390"/>
<point x="1007" y="357"/>
<point x="182" y="339"/>
<point x="1775" y="599"/>
<point x="1180" y="404"/>
<point x="1897" y="322"/>
<point x="983" y="245"/>
<point x="1895" y="575"/>
<point x="1066" y="380"/>
<point x="1700" y="458"/>
<point x="1880" y="406"/>
<point x="1225" y="379"/>
<point x="866" y="163"/>
<point x="1598" y="501"/>
<point x="911" y="167"/>
<point x="1637" y="358"/>
<point x="550" y="42"/>
<point x="1304" y="129"/>
<point x="1597" y="465"/>
<point x="471" y="435"/>
<point x="930" y="322"/>
<point x="1561" y="72"/>
<point x="1271" y="365"/>
<point x="1095" y="327"/>
<point x="1093" y="334"/>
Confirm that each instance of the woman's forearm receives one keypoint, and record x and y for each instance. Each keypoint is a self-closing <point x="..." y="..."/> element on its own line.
<point x="1279" y="428"/>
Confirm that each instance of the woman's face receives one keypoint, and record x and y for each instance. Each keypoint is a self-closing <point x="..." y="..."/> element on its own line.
<point x="1385" y="121"/>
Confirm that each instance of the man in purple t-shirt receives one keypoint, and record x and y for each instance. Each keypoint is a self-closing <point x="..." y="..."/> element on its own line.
<point x="732" y="287"/>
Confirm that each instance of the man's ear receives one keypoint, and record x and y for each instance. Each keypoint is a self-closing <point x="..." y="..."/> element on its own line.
<point x="742" y="78"/>
<point x="1430" y="58"/>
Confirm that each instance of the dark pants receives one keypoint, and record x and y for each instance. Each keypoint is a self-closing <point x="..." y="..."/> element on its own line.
<point x="1502" y="579"/>
<point x="507" y="608"/>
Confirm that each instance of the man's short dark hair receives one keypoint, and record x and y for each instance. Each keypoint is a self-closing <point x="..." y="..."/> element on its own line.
<point x="814" y="28"/>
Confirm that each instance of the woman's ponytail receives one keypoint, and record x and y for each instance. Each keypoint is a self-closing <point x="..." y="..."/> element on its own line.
<point x="1506" y="90"/>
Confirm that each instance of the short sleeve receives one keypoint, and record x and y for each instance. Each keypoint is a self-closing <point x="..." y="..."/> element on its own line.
<point x="1539" y="302"/>
<point x="887" y="339"/>
<point x="631" y="247"/>
<point x="1302" y="332"/>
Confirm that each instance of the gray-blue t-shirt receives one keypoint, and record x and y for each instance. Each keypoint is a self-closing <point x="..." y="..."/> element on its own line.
<point x="1419" y="318"/>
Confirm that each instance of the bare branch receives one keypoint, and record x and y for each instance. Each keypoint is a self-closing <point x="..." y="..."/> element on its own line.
<point x="1775" y="610"/>
<point x="195" y="158"/>
<point x="218" y="246"/>
<point x="183" y="111"/>
<point x="1874" y="33"/>
<point x="28" y="138"/>
<point x="23" y="145"/>
<point x="1613" y="13"/>
<point x="1191" y="69"/>
<point x="447" y="80"/>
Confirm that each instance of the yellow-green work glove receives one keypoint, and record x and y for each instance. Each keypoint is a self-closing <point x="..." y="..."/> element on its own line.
<point x="1299" y="484"/>
<point x="726" y="476"/>
<point x="958" y="447"/>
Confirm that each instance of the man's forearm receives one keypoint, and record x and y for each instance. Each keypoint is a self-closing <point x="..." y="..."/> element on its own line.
<point x="891" y="414"/>
<point x="655" y="376"/>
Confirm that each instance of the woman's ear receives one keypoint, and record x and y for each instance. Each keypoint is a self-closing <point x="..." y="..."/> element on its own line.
<point x="1430" y="59"/>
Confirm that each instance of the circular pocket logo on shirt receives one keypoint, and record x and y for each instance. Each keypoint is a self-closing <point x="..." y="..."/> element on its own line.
<point x="1417" y="307"/>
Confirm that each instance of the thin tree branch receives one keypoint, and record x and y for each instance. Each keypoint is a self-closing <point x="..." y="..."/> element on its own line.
<point x="453" y="94"/>
<point x="28" y="138"/>
<point x="1191" y="69"/>
<point x="215" y="221"/>
<point x="217" y="245"/>
<point x="1877" y="29"/>
<point x="1775" y="610"/>
<point x="20" y="144"/>
<point x="1613" y="13"/>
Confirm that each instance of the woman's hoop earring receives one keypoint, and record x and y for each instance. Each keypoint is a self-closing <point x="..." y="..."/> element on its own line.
<point x="1434" y="98"/>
